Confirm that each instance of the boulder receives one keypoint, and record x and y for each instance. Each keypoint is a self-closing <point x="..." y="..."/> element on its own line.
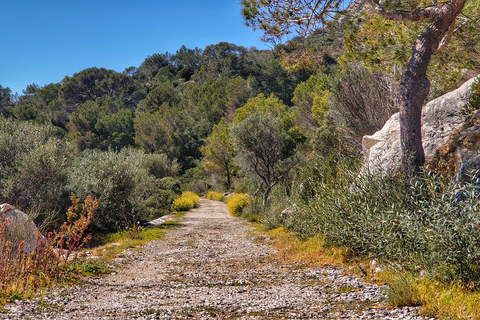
<point x="460" y="153"/>
<point x="19" y="228"/>
<point x="440" y="117"/>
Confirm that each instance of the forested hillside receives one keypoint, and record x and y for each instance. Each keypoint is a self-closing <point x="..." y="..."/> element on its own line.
<point x="133" y="139"/>
<point x="224" y="117"/>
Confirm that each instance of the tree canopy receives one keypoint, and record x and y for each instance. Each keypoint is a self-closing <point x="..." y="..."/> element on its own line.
<point x="437" y="21"/>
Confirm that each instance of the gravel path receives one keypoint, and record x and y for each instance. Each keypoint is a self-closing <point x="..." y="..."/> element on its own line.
<point x="209" y="267"/>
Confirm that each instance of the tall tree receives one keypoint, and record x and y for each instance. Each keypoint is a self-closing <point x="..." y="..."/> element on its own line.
<point x="260" y="143"/>
<point x="219" y="153"/>
<point x="6" y="103"/>
<point x="278" y="18"/>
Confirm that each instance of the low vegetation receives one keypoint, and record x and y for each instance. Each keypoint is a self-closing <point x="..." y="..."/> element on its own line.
<point x="53" y="259"/>
<point x="188" y="200"/>
<point x="238" y="202"/>
<point x="212" y="195"/>
<point x="422" y="232"/>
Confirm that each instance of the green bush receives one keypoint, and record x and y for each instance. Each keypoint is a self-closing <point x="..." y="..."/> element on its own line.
<point x="122" y="182"/>
<point x="33" y="167"/>
<point x="418" y="225"/>
<point x="237" y="202"/>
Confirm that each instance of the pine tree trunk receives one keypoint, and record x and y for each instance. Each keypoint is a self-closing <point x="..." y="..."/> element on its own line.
<point x="414" y="86"/>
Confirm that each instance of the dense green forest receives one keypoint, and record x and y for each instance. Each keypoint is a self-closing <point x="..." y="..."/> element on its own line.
<point x="135" y="139"/>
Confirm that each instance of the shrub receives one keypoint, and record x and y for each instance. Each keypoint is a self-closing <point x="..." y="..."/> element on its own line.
<point x="126" y="190"/>
<point x="417" y="224"/>
<point x="24" y="274"/>
<point x="188" y="200"/>
<point x="237" y="202"/>
<point x="217" y="196"/>
<point x="363" y="102"/>
<point x="33" y="164"/>
<point x="195" y="198"/>
<point x="182" y="204"/>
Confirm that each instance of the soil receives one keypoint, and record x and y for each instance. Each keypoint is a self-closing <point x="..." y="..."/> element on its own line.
<point x="212" y="266"/>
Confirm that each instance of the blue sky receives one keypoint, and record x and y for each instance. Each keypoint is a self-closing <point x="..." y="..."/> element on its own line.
<point x="44" y="41"/>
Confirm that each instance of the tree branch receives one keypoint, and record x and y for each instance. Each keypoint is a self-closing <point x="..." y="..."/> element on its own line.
<point x="446" y="40"/>
<point x="415" y="15"/>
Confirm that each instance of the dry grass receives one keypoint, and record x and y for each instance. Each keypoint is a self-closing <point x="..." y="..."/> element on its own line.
<point x="24" y="274"/>
<point x="437" y="300"/>
<point x="312" y="252"/>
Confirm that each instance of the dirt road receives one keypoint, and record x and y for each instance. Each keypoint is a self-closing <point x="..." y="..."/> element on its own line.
<point x="212" y="266"/>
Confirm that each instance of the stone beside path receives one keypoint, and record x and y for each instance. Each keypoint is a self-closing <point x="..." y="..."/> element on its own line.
<point x="212" y="267"/>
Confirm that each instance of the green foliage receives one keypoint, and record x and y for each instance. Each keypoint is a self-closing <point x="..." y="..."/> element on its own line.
<point x="211" y="99"/>
<point x="33" y="166"/>
<point x="266" y="105"/>
<point x="195" y="179"/>
<point x="311" y="98"/>
<point x="474" y="102"/>
<point x="116" y="130"/>
<point x="386" y="45"/>
<point x="121" y="181"/>
<point x="163" y="97"/>
<point x="264" y="150"/>
<point x="6" y="103"/>
<point x="417" y="225"/>
<point x="219" y="153"/>
<point x="170" y="130"/>
<point x="28" y="112"/>
<point x="237" y="202"/>
<point x="93" y="83"/>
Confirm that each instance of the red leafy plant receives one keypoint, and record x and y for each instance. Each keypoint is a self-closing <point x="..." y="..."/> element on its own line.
<point x="22" y="274"/>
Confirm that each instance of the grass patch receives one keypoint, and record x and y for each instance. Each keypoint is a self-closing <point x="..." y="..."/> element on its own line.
<point x="313" y="251"/>
<point x="437" y="300"/>
<point x="114" y="244"/>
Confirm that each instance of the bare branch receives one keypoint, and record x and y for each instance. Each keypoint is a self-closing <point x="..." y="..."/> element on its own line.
<point x="446" y="40"/>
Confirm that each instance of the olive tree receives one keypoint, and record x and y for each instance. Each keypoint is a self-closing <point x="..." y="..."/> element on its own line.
<point x="260" y="145"/>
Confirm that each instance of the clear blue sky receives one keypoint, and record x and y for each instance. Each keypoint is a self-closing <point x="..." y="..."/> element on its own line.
<point x="43" y="41"/>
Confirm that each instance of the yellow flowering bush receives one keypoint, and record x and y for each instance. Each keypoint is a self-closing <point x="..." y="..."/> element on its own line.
<point x="237" y="202"/>
<point x="188" y="200"/>
<point x="212" y="195"/>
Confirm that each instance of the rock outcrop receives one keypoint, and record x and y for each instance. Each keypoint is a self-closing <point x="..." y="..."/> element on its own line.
<point x="459" y="153"/>
<point x="19" y="228"/>
<point x="440" y="117"/>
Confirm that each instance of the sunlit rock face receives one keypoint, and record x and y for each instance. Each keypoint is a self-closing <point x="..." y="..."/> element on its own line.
<point x="440" y="117"/>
